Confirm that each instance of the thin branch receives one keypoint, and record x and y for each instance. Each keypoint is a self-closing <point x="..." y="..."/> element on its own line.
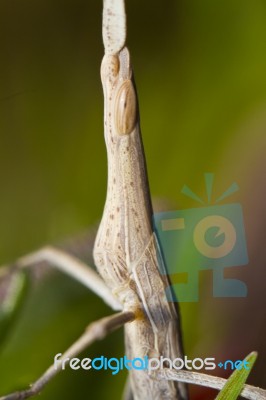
<point x="196" y="378"/>
<point x="70" y="265"/>
<point x="95" y="331"/>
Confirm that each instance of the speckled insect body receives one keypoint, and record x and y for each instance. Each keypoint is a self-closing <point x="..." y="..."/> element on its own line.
<point x="126" y="250"/>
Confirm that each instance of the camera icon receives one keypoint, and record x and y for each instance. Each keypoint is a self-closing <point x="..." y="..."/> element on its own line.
<point x="198" y="239"/>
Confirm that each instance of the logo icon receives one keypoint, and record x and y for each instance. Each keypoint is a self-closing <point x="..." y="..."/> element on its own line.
<point x="211" y="237"/>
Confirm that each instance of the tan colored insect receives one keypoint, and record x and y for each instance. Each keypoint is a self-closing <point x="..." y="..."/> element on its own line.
<point x="126" y="250"/>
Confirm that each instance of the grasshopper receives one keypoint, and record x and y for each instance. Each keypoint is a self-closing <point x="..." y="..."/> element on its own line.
<point x="126" y="251"/>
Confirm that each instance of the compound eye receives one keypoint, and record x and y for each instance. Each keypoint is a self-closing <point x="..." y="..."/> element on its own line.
<point x="126" y="109"/>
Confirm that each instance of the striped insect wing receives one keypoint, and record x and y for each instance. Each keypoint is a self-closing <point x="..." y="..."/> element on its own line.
<point x="126" y="108"/>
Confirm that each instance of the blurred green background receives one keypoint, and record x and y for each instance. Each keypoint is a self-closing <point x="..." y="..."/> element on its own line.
<point x="200" y="71"/>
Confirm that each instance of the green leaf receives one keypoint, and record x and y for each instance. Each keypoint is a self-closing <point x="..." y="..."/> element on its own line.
<point x="13" y="289"/>
<point x="236" y="381"/>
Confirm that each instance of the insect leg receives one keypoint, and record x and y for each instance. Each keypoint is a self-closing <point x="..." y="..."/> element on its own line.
<point x="95" y="331"/>
<point x="68" y="264"/>
<point x="214" y="382"/>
